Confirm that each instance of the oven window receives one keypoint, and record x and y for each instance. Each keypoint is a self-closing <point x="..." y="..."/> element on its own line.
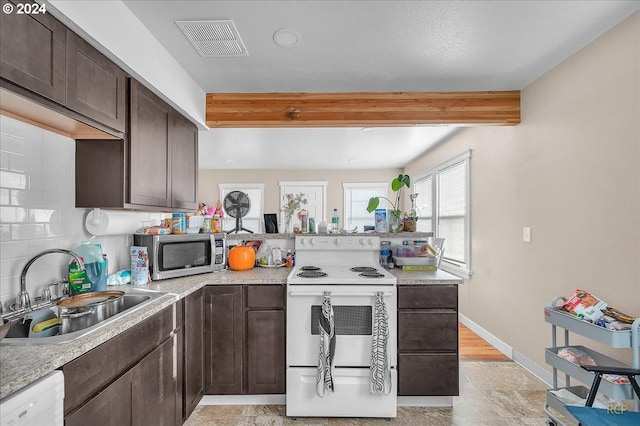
<point x="348" y="320"/>
<point x="184" y="254"/>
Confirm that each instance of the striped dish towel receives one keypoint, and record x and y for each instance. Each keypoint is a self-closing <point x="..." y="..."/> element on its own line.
<point x="380" y="376"/>
<point x="324" y="380"/>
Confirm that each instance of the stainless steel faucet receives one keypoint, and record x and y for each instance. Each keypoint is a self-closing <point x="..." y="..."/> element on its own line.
<point x="23" y="301"/>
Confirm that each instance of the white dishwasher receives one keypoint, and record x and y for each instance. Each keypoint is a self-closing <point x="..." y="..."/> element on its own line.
<point x="40" y="403"/>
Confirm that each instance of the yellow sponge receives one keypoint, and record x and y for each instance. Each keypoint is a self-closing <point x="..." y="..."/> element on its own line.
<point x="45" y="325"/>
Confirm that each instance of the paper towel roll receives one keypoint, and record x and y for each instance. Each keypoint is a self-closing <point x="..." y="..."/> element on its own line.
<point x="102" y="222"/>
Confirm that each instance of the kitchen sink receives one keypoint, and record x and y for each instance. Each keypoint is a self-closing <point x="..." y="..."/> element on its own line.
<point x="19" y="330"/>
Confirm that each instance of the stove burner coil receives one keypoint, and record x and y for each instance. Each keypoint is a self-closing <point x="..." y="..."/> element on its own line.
<point x="311" y="274"/>
<point x="371" y="275"/>
<point x="363" y="269"/>
<point x="310" y="268"/>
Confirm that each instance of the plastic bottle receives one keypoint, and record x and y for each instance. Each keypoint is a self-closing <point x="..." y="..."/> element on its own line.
<point x="335" y="221"/>
<point x="94" y="268"/>
<point x="303" y="222"/>
<point x="104" y="274"/>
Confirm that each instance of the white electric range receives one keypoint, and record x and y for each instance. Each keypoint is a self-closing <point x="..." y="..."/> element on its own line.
<point x="345" y="269"/>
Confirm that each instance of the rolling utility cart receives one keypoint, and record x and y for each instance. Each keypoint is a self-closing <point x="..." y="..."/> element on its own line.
<point x="615" y="339"/>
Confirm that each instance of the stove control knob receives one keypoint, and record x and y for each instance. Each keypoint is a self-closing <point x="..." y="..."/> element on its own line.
<point x="312" y="241"/>
<point x="361" y="241"/>
<point x="337" y="241"/>
<point x="303" y="241"/>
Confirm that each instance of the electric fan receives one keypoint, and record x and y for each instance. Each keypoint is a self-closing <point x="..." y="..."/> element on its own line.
<point x="237" y="205"/>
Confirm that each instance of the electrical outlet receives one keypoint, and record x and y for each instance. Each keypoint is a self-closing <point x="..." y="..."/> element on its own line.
<point x="526" y="234"/>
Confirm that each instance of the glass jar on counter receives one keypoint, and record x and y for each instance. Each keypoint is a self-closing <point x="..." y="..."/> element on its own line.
<point x="178" y="223"/>
<point x="216" y="224"/>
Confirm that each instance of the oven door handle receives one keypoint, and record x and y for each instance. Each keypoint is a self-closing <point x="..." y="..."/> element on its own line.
<point x="339" y="294"/>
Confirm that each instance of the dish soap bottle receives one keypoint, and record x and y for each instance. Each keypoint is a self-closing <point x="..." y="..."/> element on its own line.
<point x="94" y="268"/>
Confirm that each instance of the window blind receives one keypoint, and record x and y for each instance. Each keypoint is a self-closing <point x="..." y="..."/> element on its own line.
<point x="452" y="209"/>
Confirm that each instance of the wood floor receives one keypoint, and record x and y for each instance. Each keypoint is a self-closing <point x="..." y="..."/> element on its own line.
<point x="473" y="348"/>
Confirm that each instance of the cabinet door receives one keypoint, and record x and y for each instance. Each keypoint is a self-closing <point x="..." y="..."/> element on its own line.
<point x="223" y="340"/>
<point x="428" y="297"/>
<point x="32" y="52"/>
<point x="265" y="296"/>
<point x="193" y="371"/>
<point x="434" y="330"/>
<point x="96" y="87"/>
<point x="149" y="146"/>
<point x="111" y="407"/>
<point x="155" y="387"/>
<point x="266" y="352"/>
<point x="428" y="375"/>
<point x="100" y="173"/>
<point x="184" y="162"/>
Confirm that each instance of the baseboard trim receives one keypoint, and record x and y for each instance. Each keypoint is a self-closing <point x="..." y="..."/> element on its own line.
<point x="526" y="363"/>
<point x="490" y="338"/>
<point x="538" y="371"/>
<point x="425" y="401"/>
<point x="243" y="400"/>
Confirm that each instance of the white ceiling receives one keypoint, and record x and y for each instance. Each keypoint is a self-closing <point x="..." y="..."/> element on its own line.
<point x="370" y="46"/>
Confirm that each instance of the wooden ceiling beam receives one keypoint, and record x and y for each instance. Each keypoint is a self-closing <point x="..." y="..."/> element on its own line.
<point x="362" y="109"/>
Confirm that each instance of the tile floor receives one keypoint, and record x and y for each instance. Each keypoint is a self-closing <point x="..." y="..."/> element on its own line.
<point x="491" y="393"/>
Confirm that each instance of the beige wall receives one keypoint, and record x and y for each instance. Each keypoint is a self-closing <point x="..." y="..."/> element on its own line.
<point x="570" y="171"/>
<point x="209" y="179"/>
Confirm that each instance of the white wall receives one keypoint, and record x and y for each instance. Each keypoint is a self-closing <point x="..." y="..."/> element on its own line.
<point x="37" y="209"/>
<point x="570" y="171"/>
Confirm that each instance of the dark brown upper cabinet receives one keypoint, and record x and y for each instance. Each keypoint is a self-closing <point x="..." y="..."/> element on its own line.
<point x="164" y="153"/>
<point x="184" y="162"/>
<point x="96" y="87"/>
<point x="149" y="147"/>
<point x="32" y="52"/>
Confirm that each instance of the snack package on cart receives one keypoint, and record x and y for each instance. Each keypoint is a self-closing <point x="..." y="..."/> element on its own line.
<point x="585" y="306"/>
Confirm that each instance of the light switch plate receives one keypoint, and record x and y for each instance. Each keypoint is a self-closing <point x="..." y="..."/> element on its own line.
<point x="526" y="234"/>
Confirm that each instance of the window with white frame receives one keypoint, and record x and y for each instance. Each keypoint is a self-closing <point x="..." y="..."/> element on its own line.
<point x="315" y="192"/>
<point x="253" y="219"/>
<point x="356" y="199"/>
<point x="443" y="208"/>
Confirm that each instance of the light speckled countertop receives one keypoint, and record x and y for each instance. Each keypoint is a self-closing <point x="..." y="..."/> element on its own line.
<point x="23" y="364"/>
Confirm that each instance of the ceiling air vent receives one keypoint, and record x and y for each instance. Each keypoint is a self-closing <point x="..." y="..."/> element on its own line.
<point x="217" y="38"/>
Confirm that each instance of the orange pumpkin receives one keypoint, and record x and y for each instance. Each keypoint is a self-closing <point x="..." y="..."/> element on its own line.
<point x="242" y="258"/>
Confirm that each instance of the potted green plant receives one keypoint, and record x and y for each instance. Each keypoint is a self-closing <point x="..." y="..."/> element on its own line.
<point x="395" y="221"/>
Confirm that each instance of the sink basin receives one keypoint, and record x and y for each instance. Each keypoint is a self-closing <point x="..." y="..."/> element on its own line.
<point x="133" y="301"/>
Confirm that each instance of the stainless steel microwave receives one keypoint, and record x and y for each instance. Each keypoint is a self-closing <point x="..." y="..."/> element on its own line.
<point x="172" y="256"/>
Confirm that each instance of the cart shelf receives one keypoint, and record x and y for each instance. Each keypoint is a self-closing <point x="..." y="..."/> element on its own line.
<point x="557" y="404"/>
<point x="614" y="339"/>
<point x="617" y="391"/>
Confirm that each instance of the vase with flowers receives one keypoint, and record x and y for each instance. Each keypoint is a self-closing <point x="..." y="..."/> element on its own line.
<point x="292" y="203"/>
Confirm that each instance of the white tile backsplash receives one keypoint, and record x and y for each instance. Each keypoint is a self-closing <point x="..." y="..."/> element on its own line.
<point x="37" y="209"/>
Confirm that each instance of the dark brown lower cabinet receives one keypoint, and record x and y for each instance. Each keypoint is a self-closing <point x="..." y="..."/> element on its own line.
<point x="244" y="339"/>
<point x="128" y="380"/>
<point x="155" y="387"/>
<point x="100" y="409"/>
<point x="428" y="363"/>
<point x="193" y="352"/>
<point x="223" y="340"/>
<point x="265" y="352"/>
